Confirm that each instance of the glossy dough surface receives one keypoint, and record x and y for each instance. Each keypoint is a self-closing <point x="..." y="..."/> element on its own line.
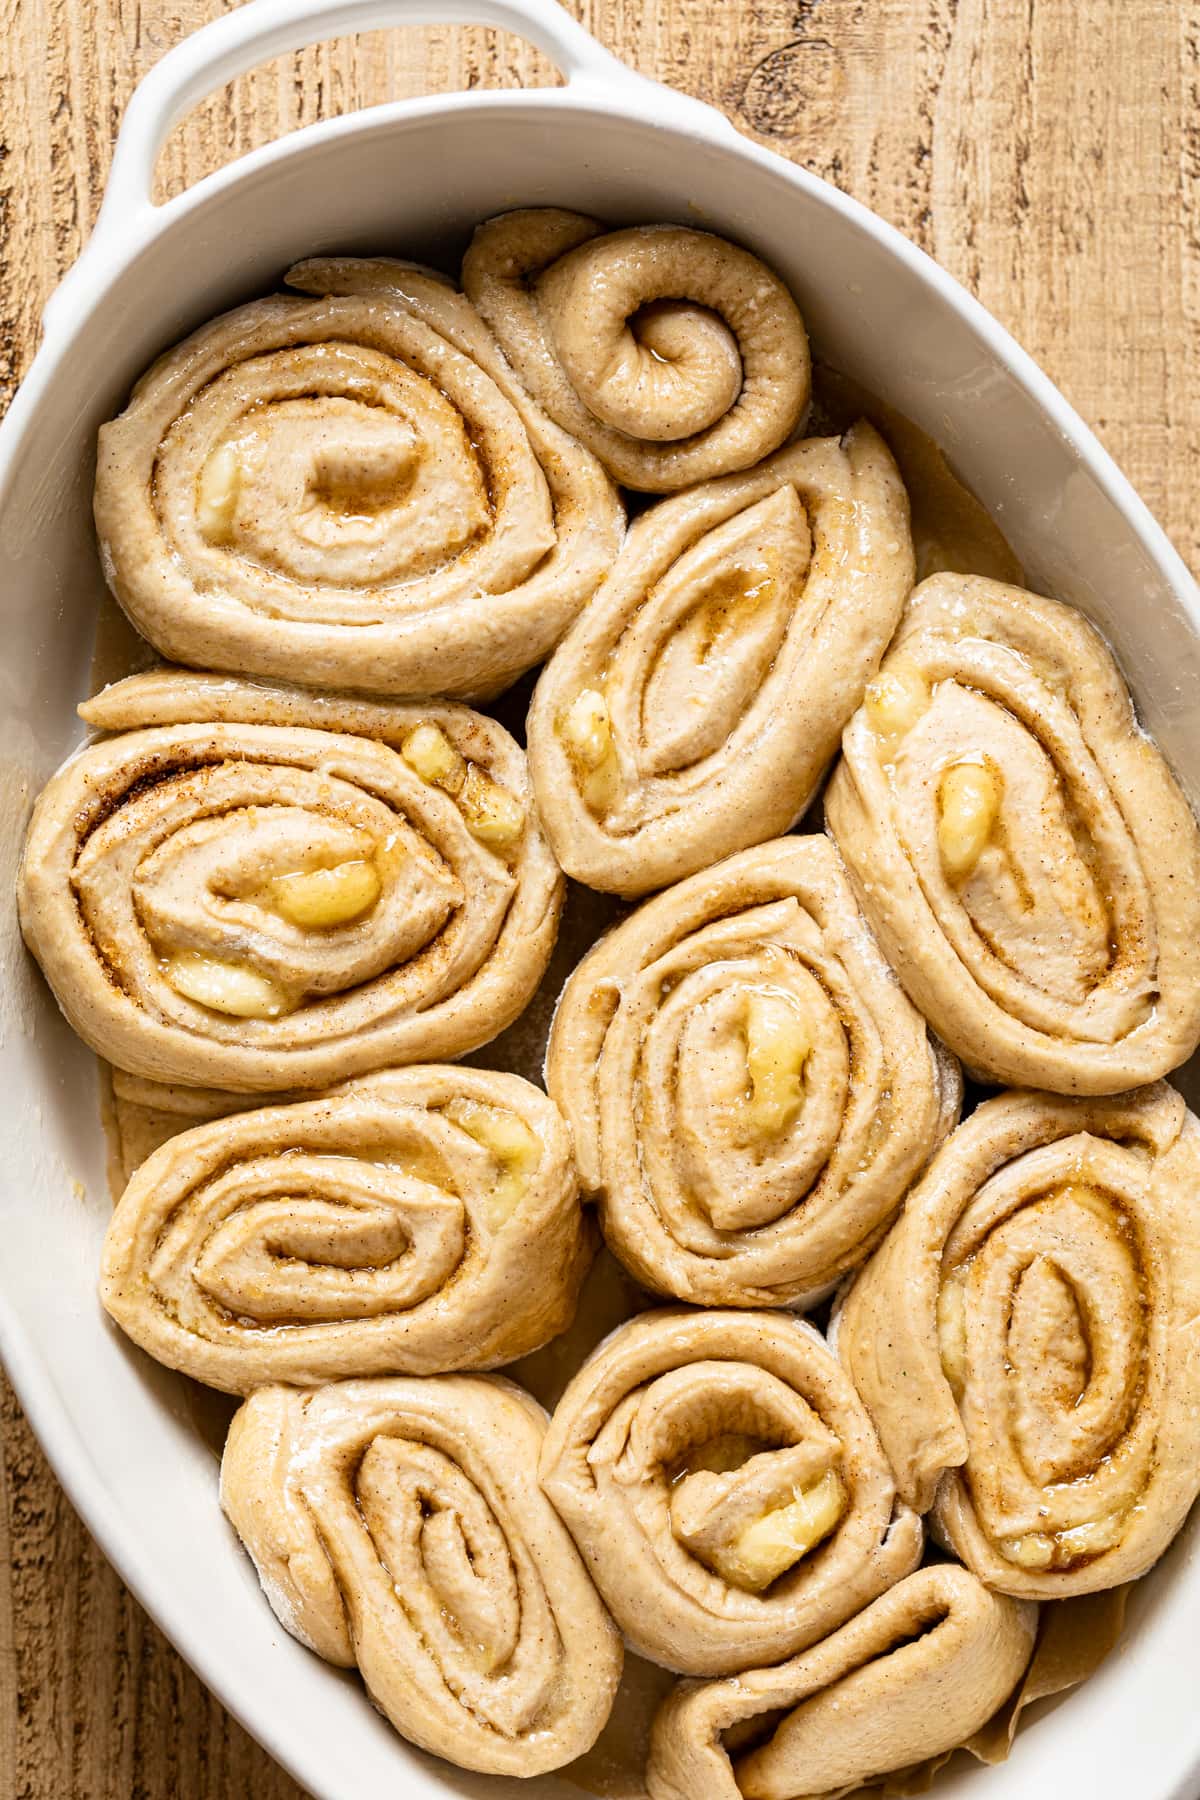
<point x="258" y="888"/>
<point x="1025" y="1339"/>
<point x="749" y="1089"/>
<point x="353" y="486"/>
<point x="700" y="696"/>
<point x="726" y="1487"/>
<point x="416" y="1221"/>
<point x="911" y="1678"/>
<point x="397" y="1525"/>
<point x="672" y="354"/>
<point x="1022" y="851"/>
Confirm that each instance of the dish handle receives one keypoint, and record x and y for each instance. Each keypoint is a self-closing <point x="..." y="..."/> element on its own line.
<point x="262" y="29"/>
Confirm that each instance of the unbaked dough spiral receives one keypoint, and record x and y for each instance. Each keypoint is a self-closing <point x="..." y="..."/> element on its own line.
<point x="750" y="1091"/>
<point x="911" y="1678"/>
<point x="1022" y="851"/>
<point x="697" y="701"/>
<point x="397" y="1525"/>
<point x="1025" y="1339"/>
<point x="672" y="354"/>
<point x="726" y="1488"/>
<point x="258" y="888"/>
<point x="413" y="1222"/>
<point x="351" y="489"/>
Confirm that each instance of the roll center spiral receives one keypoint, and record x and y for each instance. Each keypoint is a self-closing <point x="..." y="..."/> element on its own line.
<point x="752" y="1475"/>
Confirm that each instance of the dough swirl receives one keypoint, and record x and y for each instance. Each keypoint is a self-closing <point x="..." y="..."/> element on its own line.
<point x="906" y="1681"/>
<point x="397" y="1525"/>
<point x="1025" y="1339"/>
<point x="749" y="1089"/>
<point x="257" y="888"/>
<point x="1022" y="851"/>
<point x="726" y="1488"/>
<point x="353" y="487"/>
<point x="672" y="354"/>
<point x="413" y="1222"/>
<point x="697" y="701"/>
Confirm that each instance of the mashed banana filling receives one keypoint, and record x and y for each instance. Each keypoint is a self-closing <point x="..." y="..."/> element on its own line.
<point x="586" y="729"/>
<point x="217" y="493"/>
<point x="512" y="1144"/>
<point x="758" y="1552"/>
<point x="493" y="814"/>
<point x="895" y="701"/>
<point x="321" y="899"/>
<point x="969" y="797"/>
<point x="777" y="1048"/>
<point x="227" y="987"/>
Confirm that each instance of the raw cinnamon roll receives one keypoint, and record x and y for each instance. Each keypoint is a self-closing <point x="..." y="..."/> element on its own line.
<point x="726" y="1487"/>
<point x="910" y="1679"/>
<point x="415" y="1221"/>
<point x="1025" y="1339"/>
<point x="1021" y="850"/>
<point x="672" y="354"/>
<point x="697" y="701"/>
<point x="257" y="888"/>
<point x="352" y="489"/>
<point x="749" y="1089"/>
<point x="397" y="1525"/>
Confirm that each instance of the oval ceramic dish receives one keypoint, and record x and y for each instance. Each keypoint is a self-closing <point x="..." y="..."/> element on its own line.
<point x="115" y="1427"/>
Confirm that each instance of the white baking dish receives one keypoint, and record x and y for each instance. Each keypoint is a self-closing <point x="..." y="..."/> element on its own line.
<point x="411" y="178"/>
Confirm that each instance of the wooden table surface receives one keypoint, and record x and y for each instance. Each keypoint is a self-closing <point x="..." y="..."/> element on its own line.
<point x="1047" y="152"/>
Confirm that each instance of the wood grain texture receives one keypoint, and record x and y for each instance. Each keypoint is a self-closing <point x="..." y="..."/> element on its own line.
<point x="1047" y="152"/>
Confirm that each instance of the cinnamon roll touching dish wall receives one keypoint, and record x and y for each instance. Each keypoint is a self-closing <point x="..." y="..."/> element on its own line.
<point x="1025" y="1339"/>
<point x="726" y="1488"/>
<point x="908" y="1680"/>
<point x="416" y="1221"/>
<point x="349" y="486"/>
<point x="672" y="354"/>
<point x="1022" y="851"/>
<point x="397" y="1526"/>
<point x="257" y="888"/>
<point x="749" y="1089"/>
<point x="700" y="696"/>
